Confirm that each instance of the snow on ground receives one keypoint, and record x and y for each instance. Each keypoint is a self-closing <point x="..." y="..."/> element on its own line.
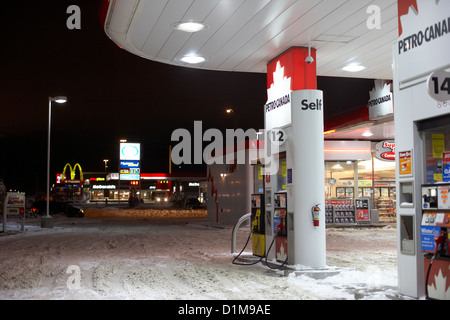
<point x="174" y="255"/>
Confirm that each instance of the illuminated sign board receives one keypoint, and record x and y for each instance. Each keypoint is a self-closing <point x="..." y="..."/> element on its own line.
<point x="381" y="101"/>
<point x="130" y="151"/>
<point x="130" y="156"/>
<point x="130" y="176"/>
<point x="128" y="170"/>
<point x="103" y="187"/>
<point x="424" y="34"/>
<point x="112" y="176"/>
<point x="278" y="106"/>
<point x="385" y="150"/>
<point x="15" y="205"/>
<point x="97" y="179"/>
<point x="129" y="164"/>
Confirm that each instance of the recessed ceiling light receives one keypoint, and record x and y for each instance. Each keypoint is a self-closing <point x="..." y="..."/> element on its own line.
<point x="192" y="59"/>
<point x="190" y="26"/>
<point x="353" y="68"/>
<point x="367" y="134"/>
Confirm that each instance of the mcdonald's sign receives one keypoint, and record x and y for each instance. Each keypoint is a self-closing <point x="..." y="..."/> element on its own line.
<point x="72" y="172"/>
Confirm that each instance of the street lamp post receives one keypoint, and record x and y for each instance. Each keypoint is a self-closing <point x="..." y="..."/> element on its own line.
<point x="106" y="164"/>
<point x="46" y="222"/>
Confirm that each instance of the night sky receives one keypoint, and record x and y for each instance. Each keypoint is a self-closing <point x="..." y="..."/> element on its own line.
<point x="112" y="95"/>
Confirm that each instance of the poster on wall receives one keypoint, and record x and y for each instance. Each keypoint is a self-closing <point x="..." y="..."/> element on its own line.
<point x="362" y="209"/>
<point x="446" y="170"/>
<point x="405" y="163"/>
<point x="438" y="145"/>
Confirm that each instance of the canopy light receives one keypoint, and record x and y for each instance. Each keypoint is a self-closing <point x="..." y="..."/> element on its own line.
<point x="353" y="68"/>
<point x="190" y="26"/>
<point x="367" y="134"/>
<point x="193" y="59"/>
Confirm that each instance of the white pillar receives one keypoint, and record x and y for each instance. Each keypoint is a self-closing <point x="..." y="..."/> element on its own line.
<point x="307" y="243"/>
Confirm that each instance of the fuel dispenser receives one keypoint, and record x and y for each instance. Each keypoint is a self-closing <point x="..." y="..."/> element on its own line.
<point x="435" y="239"/>
<point x="258" y="225"/>
<point x="280" y="226"/>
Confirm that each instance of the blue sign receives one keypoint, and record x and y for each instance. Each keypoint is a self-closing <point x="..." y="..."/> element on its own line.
<point x="446" y="173"/>
<point x="276" y="223"/>
<point x="427" y="234"/>
<point x="289" y="175"/>
<point x="129" y="164"/>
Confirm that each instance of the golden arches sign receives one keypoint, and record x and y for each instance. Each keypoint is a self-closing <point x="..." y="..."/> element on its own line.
<point x="72" y="171"/>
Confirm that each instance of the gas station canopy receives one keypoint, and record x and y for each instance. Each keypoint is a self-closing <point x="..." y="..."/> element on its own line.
<point x="244" y="35"/>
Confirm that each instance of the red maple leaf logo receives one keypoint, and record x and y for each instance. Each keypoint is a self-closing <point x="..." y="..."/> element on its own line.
<point x="403" y="8"/>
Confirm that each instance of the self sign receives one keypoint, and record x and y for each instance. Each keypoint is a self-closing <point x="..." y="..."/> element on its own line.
<point x="317" y="105"/>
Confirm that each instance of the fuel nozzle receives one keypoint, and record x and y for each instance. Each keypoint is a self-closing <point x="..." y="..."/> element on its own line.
<point x="439" y="241"/>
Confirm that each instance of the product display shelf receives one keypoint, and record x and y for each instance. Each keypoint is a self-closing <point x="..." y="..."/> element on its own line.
<point x="340" y="215"/>
<point x="386" y="209"/>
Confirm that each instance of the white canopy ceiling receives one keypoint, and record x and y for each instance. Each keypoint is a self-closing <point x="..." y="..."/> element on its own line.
<point x="244" y="35"/>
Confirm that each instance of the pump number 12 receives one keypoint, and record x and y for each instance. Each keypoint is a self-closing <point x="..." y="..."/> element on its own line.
<point x="439" y="85"/>
<point x="277" y="136"/>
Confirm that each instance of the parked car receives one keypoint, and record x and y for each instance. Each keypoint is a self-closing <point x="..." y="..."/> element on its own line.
<point x="40" y="207"/>
<point x="192" y="203"/>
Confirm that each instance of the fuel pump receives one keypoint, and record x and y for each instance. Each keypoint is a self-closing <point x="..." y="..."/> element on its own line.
<point x="258" y="225"/>
<point x="280" y="226"/>
<point x="435" y="240"/>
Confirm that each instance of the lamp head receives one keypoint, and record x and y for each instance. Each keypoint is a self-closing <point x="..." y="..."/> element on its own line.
<point x="59" y="99"/>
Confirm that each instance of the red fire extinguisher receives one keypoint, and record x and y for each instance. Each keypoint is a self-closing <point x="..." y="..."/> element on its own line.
<point x="315" y="211"/>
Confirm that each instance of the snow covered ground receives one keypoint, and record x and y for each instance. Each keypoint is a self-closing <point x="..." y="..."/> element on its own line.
<point x="175" y="255"/>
